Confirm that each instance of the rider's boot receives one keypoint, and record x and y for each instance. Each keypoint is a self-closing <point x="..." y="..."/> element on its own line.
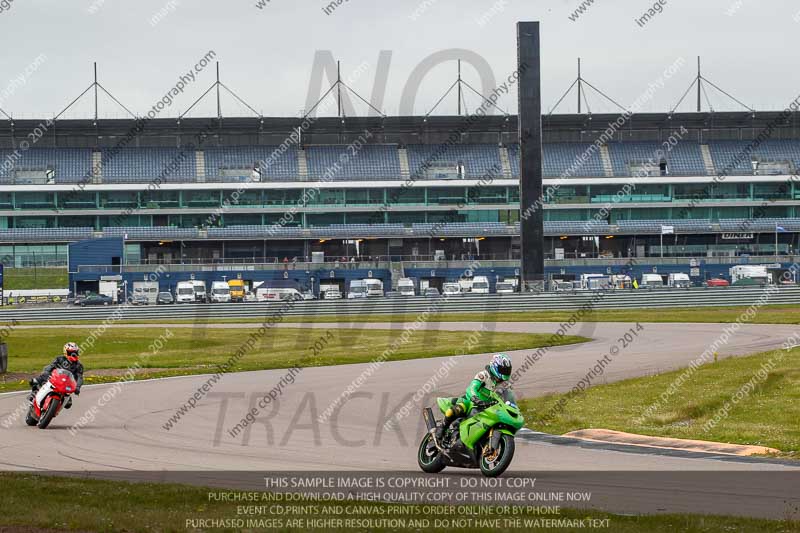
<point x="68" y="403"/>
<point x="450" y="415"/>
<point x="34" y="383"/>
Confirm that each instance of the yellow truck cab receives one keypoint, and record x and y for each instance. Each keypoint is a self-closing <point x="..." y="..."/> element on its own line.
<point x="237" y="290"/>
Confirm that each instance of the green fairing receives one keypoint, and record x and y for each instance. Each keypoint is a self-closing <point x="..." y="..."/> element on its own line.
<point x="474" y="428"/>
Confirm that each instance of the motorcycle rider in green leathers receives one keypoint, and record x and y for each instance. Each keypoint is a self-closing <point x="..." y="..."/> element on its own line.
<point x="494" y="377"/>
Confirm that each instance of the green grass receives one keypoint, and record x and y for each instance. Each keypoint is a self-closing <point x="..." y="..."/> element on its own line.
<point x="776" y="314"/>
<point x="98" y="505"/>
<point x="767" y="416"/>
<point x="35" y="278"/>
<point x="197" y="350"/>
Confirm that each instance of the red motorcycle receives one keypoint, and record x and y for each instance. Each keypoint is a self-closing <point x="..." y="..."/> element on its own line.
<point x="50" y="398"/>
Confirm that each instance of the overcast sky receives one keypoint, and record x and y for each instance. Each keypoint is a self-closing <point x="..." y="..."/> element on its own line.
<point x="267" y="55"/>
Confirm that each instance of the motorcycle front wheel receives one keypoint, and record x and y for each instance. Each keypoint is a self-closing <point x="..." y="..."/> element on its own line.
<point x="48" y="415"/>
<point x="495" y="464"/>
<point x="29" y="419"/>
<point x="429" y="458"/>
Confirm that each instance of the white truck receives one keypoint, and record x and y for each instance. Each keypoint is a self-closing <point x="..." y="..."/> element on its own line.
<point x="480" y="285"/>
<point x="651" y="281"/>
<point x="184" y="292"/>
<point x="466" y="285"/>
<point x="220" y="292"/>
<point x="200" y="291"/>
<point x="333" y="289"/>
<point x="357" y="289"/>
<point x="749" y="275"/>
<point x="406" y="287"/>
<point x="145" y="292"/>
<point x="110" y="289"/>
<point x="374" y="287"/>
<point x="679" y="280"/>
<point x="595" y="282"/>
<point x="277" y="294"/>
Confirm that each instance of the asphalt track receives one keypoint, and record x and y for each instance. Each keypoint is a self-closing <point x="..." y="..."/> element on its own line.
<point x="128" y="435"/>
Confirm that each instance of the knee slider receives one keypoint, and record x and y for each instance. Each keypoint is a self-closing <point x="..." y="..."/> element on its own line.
<point x="449" y="413"/>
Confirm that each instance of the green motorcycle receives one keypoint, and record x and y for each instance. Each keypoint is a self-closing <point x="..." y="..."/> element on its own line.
<point x="484" y="439"/>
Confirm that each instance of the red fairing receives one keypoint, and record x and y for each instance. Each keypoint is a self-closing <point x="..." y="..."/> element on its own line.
<point x="63" y="381"/>
<point x="63" y="384"/>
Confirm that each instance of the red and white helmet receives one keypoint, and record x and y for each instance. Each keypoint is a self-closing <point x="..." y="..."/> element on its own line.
<point x="72" y="352"/>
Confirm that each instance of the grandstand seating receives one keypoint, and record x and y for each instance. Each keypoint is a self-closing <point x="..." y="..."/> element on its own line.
<point x="255" y="231"/>
<point x="478" y="159"/>
<point x="70" y="164"/>
<point x="382" y="161"/>
<point x="45" y="234"/>
<point x="337" y="162"/>
<point x="559" y="157"/>
<point x="284" y="167"/>
<point x="724" y="154"/>
<point x="156" y="233"/>
<point x="685" y="159"/>
<point x="169" y="164"/>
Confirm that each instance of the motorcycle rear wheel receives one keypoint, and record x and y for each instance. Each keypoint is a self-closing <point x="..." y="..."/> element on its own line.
<point x="430" y="459"/>
<point x="503" y="459"/>
<point x="48" y="415"/>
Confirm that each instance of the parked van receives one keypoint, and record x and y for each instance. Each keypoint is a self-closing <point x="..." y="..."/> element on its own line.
<point x="184" y="292"/>
<point x="504" y="287"/>
<point x="480" y="285"/>
<point x="651" y="281"/>
<point x="451" y="289"/>
<point x="406" y="287"/>
<point x="200" y="291"/>
<point x="220" y="292"/>
<point x="679" y="280"/>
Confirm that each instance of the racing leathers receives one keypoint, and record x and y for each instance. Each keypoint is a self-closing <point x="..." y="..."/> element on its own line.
<point x="476" y="396"/>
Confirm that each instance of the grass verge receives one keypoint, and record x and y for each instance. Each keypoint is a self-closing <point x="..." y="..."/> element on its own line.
<point x="98" y="505"/>
<point x="179" y="351"/>
<point x="744" y="400"/>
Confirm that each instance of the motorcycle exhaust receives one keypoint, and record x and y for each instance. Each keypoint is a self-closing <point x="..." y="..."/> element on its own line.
<point x="430" y="421"/>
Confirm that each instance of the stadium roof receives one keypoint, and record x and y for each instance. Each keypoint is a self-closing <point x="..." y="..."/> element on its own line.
<point x="409" y="129"/>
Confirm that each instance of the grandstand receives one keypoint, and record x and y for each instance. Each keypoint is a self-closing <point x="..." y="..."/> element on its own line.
<point x="408" y="192"/>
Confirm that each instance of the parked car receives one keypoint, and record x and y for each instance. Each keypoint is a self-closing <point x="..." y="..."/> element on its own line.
<point x="717" y="282"/>
<point x="93" y="299"/>
<point x="165" y="298"/>
<point x="431" y="292"/>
